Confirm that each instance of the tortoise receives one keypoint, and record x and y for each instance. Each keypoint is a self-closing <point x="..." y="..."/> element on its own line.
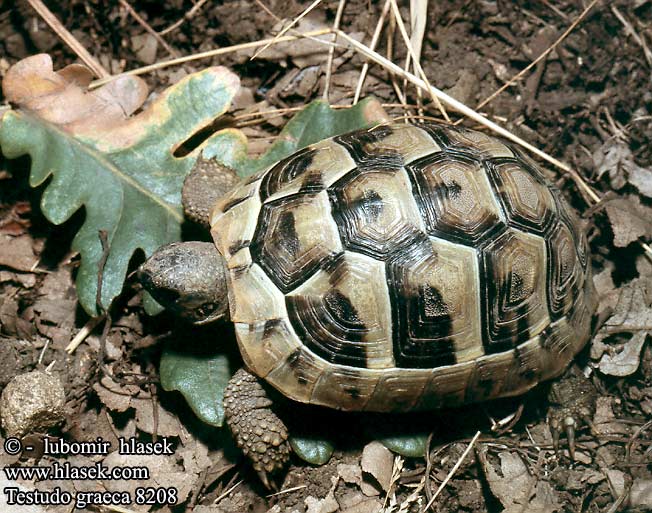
<point x="406" y="267"/>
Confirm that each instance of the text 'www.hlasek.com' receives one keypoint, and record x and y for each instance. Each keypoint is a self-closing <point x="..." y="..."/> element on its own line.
<point x="24" y="495"/>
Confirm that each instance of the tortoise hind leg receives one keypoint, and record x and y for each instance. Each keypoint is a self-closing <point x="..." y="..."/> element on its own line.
<point x="258" y="431"/>
<point x="572" y="401"/>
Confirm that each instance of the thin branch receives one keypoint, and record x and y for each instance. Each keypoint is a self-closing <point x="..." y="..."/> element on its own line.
<point x="630" y="30"/>
<point x="294" y="22"/>
<point x="185" y="17"/>
<point x="68" y="38"/>
<point x="453" y="470"/>
<point x="417" y="64"/>
<point x="331" y="50"/>
<point x="372" y="45"/>
<point x="212" y="53"/>
<point x="543" y="55"/>
<point x="148" y="28"/>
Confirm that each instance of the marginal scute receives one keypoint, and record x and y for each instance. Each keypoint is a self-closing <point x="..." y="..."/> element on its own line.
<point x="407" y="387"/>
<point x="349" y="389"/>
<point x="264" y="344"/>
<point x="527" y="368"/>
<point x="489" y="376"/>
<point x="253" y="297"/>
<point x="455" y="198"/>
<point x="447" y="386"/>
<point x="558" y="344"/>
<point x="234" y="219"/>
<point x="435" y="295"/>
<point x="298" y="374"/>
<point x="295" y="235"/>
<point x="515" y="290"/>
<point x="409" y="141"/>
<point x="472" y="141"/>
<point x="343" y="315"/>
<point x="367" y="147"/>
<point x="574" y="225"/>
<point x="375" y="211"/>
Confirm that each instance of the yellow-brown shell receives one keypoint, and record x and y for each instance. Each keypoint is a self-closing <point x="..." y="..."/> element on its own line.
<point x="405" y="267"/>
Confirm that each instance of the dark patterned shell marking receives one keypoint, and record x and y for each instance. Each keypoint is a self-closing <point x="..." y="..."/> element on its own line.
<point x="406" y="267"/>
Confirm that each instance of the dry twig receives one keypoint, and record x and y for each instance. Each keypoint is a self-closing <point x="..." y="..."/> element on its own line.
<point x="284" y="30"/>
<point x="68" y="38"/>
<point x="148" y="28"/>
<point x="211" y="53"/>
<point x="543" y="55"/>
<point x="331" y="50"/>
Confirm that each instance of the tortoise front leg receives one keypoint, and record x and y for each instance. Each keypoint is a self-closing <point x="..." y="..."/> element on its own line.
<point x="573" y="401"/>
<point x="258" y="431"/>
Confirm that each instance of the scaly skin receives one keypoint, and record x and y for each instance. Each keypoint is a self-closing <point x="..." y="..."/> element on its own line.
<point x="207" y="182"/>
<point x="260" y="434"/>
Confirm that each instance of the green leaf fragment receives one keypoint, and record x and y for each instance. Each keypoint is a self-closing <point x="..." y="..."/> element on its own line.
<point x="200" y="378"/>
<point x="318" y="121"/>
<point x="412" y="446"/>
<point x="313" y="450"/>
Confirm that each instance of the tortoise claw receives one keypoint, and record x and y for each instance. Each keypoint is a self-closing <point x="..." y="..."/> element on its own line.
<point x="572" y="399"/>
<point x="570" y="435"/>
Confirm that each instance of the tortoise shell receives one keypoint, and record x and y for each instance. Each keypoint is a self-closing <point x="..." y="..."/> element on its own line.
<point x="405" y="267"/>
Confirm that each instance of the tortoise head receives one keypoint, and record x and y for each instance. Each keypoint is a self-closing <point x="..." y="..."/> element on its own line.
<point x="189" y="279"/>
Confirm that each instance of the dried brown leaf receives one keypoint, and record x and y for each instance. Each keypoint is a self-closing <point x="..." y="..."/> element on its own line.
<point x="640" y="496"/>
<point x="61" y="97"/>
<point x="114" y="396"/>
<point x="515" y="488"/>
<point x="616" y="158"/>
<point x="17" y="252"/>
<point x="625" y="360"/>
<point x="167" y="425"/>
<point x="629" y="220"/>
<point x="163" y="472"/>
<point x="350" y="473"/>
<point x="378" y="461"/>
<point x="632" y="305"/>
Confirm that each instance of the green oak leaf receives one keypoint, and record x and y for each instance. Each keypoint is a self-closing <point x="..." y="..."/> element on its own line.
<point x="313" y="450"/>
<point x="126" y="176"/>
<point x="314" y="123"/>
<point x="200" y="377"/>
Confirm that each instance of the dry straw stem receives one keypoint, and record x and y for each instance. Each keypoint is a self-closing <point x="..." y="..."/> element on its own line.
<point x="68" y="38"/>
<point x="118" y="509"/>
<point x="418" y="17"/>
<point x="331" y="50"/>
<point x="186" y="16"/>
<point x="83" y="333"/>
<point x="148" y="28"/>
<point x="630" y="30"/>
<point x="372" y="45"/>
<point x="227" y="492"/>
<point x="212" y="53"/>
<point x="294" y="22"/>
<point x="452" y="471"/>
<point x="415" y="59"/>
